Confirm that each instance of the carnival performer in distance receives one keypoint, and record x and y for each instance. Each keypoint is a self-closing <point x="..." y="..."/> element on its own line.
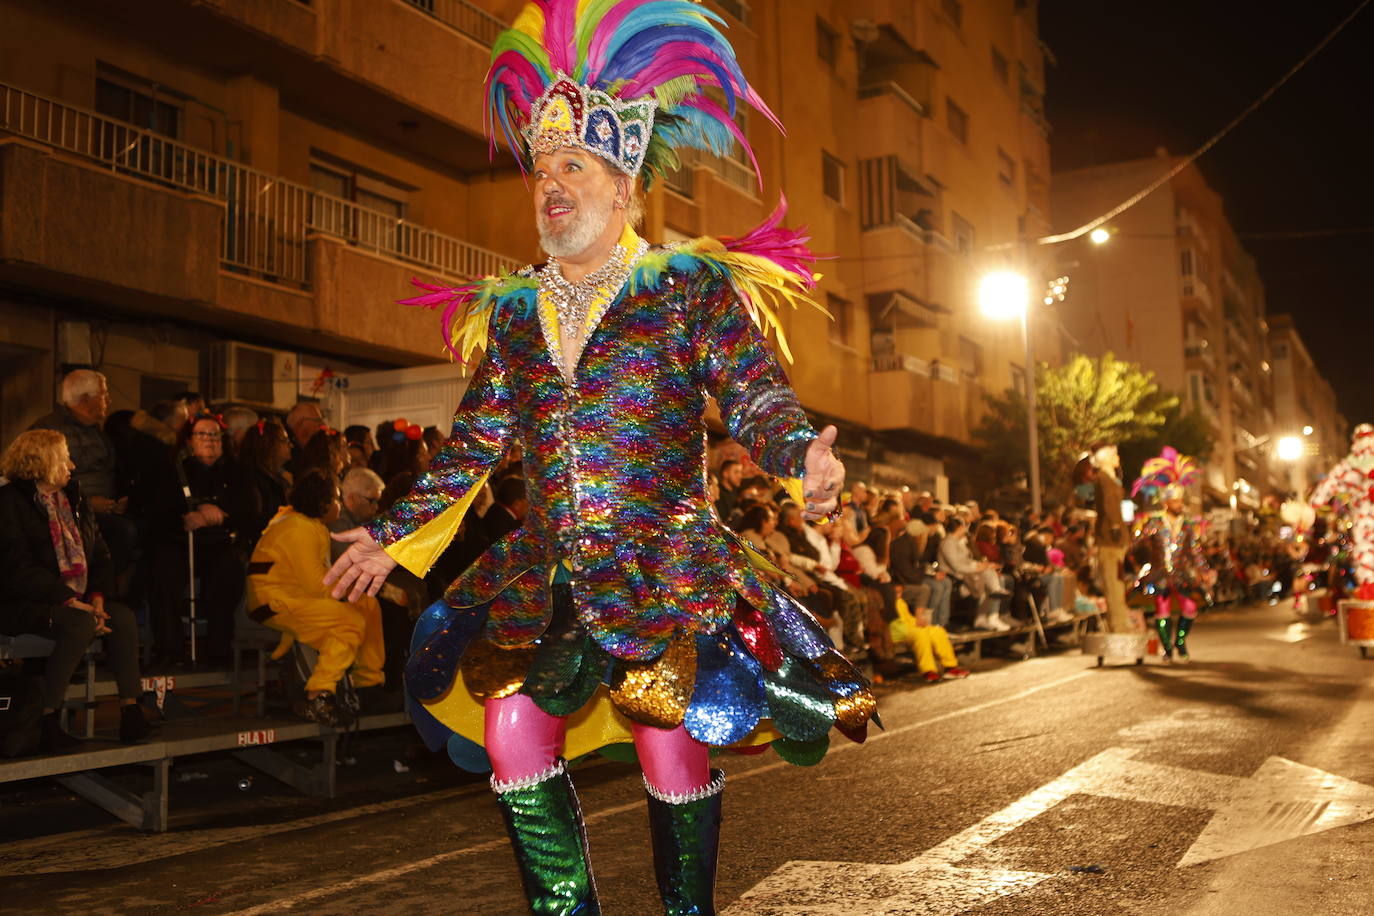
<point x="1176" y="571"/>
<point x="623" y="610"/>
<point x="1350" y="486"/>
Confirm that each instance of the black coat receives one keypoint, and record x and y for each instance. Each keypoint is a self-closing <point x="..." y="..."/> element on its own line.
<point x="30" y="582"/>
<point x="222" y="484"/>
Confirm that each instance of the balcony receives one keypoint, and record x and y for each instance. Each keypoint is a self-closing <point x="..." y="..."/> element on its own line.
<point x="893" y="121"/>
<point x="1199" y="353"/>
<point x="159" y="225"/>
<point x="936" y="401"/>
<point x="686" y="181"/>
<point x="473" y="21"/>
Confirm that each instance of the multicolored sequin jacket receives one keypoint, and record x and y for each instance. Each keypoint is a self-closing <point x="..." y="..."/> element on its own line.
<point x="615" y="463"/>
<point x="1174" y="554"/>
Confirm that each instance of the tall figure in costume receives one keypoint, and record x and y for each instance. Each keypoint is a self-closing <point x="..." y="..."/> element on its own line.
<point x="622" y="610"/>
<point x="1351" y="484"/>
<point x="1110" y="532"/>
<point x="1176" y="571"/>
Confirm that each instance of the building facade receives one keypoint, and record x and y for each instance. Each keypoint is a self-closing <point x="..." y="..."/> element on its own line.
<point x="229" y="195"/>
<point x="1174" y="291"/>
<point x="1305" y="404"/>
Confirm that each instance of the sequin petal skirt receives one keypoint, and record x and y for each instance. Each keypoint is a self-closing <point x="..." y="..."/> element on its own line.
<point x="768" y="677"/>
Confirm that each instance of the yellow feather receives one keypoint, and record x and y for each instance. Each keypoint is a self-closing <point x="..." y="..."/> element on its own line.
<point x="531" y="22"/>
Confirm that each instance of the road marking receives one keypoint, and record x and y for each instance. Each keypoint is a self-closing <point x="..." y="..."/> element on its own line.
<point x="1283" y="800"/>
<point x="388" y="874"/>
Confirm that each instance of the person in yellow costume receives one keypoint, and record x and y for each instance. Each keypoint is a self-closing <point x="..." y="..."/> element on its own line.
<point x="928" y="642"/>
<point x="287" y="593"/>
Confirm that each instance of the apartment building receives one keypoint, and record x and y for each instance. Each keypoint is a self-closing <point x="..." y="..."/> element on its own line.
<point x="1304" y="404"/>
<point x="230" y="194"/>
<point x="1174" y="291"/>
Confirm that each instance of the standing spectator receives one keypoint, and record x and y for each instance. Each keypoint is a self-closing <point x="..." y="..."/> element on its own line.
<point x="731" y="476"/>
<point x="263" y="455"/>
<point x="56" y="580"/>
<point x="858" y="505"/>
<point x="302" y="422"/>
<point x="361" y="437"/>
<point x="287" y="593"/>
<point x="507" y="513"/>
<point x="324" y="452"/>
<point x="217" y="512"/>
<point x="83" y="404"/>
<point x="237" y="421"/>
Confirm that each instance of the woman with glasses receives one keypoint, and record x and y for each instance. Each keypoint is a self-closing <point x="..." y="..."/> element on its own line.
<point x="208" y="498"/>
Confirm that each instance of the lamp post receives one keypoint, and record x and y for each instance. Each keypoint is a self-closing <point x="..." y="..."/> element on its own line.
<point x="1003" y="295"/>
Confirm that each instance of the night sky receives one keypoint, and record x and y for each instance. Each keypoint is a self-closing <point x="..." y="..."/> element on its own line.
<point x="1137" y="75"/>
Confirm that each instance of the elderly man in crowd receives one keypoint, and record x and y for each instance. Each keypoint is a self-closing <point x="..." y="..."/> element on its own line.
<point x="302" y="422"/>
<point x="83" y="405"/>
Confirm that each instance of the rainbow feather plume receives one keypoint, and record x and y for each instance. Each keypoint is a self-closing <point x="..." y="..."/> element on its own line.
<point x="1168" y="469"/>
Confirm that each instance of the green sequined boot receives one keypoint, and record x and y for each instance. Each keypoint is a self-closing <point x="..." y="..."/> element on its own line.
<point x="546" y="831"/>
<point x="1181" y="638"/>
<point x="686" y="834"/>
<point x="1162" y="624"/>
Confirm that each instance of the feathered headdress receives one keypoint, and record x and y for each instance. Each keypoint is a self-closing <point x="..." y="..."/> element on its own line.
<point x="1166" y="476"/>
<point x="631" y="81"/>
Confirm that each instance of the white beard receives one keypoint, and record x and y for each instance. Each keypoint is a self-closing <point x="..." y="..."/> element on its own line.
<point x="584" y="229"/>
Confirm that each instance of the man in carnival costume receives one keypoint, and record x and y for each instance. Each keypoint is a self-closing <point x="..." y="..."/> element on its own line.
<point x="622" y="610"/>
<point x="1350" y="485"/>
<point x="1176" y="570"/>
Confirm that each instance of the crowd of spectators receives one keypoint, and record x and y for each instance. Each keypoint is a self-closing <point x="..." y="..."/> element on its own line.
<point x="247" y="501"/>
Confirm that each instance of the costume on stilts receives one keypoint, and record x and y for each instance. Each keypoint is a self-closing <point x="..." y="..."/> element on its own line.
<point x="623" y="610"/>
<point x="1350" y="485"/>
<point x="1176" y="571"/>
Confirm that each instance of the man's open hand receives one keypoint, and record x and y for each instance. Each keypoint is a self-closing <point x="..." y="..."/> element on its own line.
<point x="363" y="567"/>
<point x="824" y="476"/>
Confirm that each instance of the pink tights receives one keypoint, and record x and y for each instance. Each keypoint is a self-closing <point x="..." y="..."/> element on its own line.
<point x="1163" y="606"/>
<point x="522" y="740"/>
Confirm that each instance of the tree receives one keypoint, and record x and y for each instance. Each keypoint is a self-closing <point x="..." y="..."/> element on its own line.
<point x="1186" y="430"/>
<point x="1079" y="403"/>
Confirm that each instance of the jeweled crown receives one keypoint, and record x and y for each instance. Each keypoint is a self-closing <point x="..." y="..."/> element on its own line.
<point x="570" y="114"/>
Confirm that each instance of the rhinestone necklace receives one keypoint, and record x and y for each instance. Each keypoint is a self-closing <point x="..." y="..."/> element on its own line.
<point x="573" y="301"/>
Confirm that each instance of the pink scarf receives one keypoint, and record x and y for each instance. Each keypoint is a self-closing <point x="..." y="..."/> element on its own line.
<point x="66" y="541"/>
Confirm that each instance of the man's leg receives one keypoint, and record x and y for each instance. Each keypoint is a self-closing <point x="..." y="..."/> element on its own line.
<point x="1109" y="565"/>
<point x="1163" y="612"/>
<point x="1188" y="613"/>
<point x="941" y="590"/>
<point x="944" y="649"/>
<point x="540" y="808"/>
<point x="921" y="648"/>
<point x="684" y="817"/>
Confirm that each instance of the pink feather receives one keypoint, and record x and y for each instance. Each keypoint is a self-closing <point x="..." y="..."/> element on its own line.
<point x="560" y="31"/>
<point x="453" y="299"/>
<point x="773" y="241"/>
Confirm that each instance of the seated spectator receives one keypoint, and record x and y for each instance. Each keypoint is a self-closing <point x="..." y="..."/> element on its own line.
<point x="810" y="552"/>
<point x="360" y="438"/>
<point x="920" y="588"/>
<point x="193" y="401"/>
<point x="287" y="593"/>
<point x="237" y="422"/>
<point x="324" y="452"/>
<point x="218" y="514"/>
<point x="402" y="452"/>
<point x="731" y="477"/>
<point x="263" y="455"/>
<point x="978" y="576"/>
<point x="84" y="403"/>
<point x="55" y="576"/>
<point x="507" y="513"/>
<point x="760" y="526"/>
<point x="928" y="642"/>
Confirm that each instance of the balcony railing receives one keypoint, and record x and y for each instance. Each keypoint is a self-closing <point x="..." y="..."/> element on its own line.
<point x="267" y="220"/>
<point x="472" y="21"/>
<point x="901" y="362"/>
<point x="733" y="173"/>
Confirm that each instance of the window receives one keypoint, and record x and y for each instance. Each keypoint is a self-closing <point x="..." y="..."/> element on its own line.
<point x="963" y="234"/>
<point x="1195" y="388"/>
<point x="1000" y="67"/>
<point x="957" y="119"/>
<point x="1018" y="380"/>
<point x="832" y="177"/>
<point x="970" y="358"/>
<point x="827" y="43"/>
<point x="842" y="318"/>
<point x="1185" y="259"/>
<point x="116" y="100"/>
<point x="1006" y="168"/>
<point x="1281" y="351"/>
<point x="954" y="12"/>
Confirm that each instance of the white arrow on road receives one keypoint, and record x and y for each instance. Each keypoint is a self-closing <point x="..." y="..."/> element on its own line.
<point x="1282" y="801"/>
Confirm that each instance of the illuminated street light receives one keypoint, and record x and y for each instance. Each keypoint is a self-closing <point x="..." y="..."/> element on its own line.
<point x="1307" y="430"/>
<point x="1003" y="295"/>
<point x="1099" y="236"/>
<point x="1290" y="448"/>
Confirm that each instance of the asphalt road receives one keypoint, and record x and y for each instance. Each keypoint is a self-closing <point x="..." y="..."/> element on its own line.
<point x="1240" y="783"/>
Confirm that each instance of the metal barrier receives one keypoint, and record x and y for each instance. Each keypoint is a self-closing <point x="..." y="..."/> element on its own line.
<point x="267" y="220"/>
<point x="472" y="21"/>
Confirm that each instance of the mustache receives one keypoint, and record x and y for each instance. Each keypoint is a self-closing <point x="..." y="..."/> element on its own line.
<point x="558" y="202"/>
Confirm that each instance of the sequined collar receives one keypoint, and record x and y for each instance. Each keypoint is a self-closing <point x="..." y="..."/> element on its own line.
<point x="583" y="304"/>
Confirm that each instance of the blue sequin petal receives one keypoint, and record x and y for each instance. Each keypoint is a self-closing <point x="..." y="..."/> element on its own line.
<point x="728" y="700"/>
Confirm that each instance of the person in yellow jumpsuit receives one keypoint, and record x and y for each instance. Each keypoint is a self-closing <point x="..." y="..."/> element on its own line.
<point x="287" y="592"/>
<point x="928" y="642"/>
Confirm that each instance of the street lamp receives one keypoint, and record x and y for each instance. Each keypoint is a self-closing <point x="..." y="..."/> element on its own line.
<point x="1290" y="448"/>
<point x="1099" y="236"/>
<point x="1005" y="295"/>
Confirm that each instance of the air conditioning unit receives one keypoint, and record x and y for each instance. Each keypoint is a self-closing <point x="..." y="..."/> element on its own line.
<point x="252" y="376"/>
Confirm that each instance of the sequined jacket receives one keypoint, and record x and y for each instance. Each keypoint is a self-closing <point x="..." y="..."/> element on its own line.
<point x="615" y="463"/>
<point x="1175" y="554"/>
